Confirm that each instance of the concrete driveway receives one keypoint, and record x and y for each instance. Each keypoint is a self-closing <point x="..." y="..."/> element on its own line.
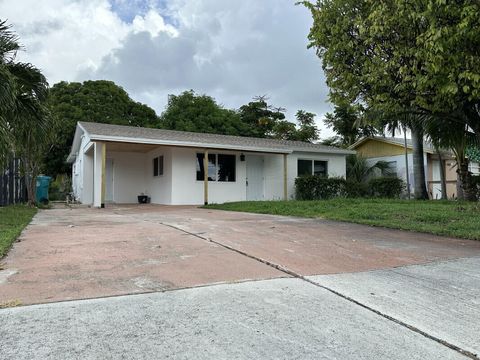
<point x="233" y="285"/>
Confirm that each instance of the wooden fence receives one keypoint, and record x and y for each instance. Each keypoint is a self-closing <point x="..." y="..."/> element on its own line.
<point x="12" y="185"/>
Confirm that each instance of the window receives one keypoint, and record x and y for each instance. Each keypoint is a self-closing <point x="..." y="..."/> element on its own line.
<point x="226" y="167"/>
<point x="158" y="166"/>
<point x="304" y="167"/>
<point x="320" y="168"/>
<point x="312" y="167"/>
<point x="221" y="167"/>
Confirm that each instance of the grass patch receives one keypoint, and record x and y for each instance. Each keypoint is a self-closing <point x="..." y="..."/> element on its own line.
<point x="9" y="304"/>
<point x="449" y="218"/>
<point x="13" y="220"/>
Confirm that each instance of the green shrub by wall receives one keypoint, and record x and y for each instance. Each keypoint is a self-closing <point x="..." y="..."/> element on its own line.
<point x="319" y="188"/>
<point x="386" y="187"/>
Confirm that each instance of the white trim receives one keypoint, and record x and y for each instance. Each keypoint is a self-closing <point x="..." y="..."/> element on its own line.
<point x="185" y="144"/>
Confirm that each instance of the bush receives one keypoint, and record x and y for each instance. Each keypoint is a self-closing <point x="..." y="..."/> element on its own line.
<point x="476" y="185"/>
<point x="319" y="188"/>
<point x="355" y="189"/>
<point x="60" y="188"/>
<point x="313" y="187"/>
<point x="386" y="187"/>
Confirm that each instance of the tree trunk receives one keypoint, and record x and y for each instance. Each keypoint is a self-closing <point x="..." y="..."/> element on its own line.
<point x="466" y="182"/>
<point x="420" y="187"/>
<point x="30" y="180"/>
<point x="443" y="180"/>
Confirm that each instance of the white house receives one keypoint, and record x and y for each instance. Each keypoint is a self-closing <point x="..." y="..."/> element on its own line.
<point x="116" y="164"/>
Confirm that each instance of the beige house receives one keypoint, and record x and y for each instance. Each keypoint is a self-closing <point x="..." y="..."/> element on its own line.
<point x="392" y="150"/>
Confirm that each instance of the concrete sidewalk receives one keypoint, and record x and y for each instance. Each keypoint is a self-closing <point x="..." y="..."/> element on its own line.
<point x="442" y="299"/>
<point x="273" y="319"/>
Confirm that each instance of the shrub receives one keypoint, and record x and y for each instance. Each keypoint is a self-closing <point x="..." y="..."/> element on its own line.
<point x="355" y="189"/>
<point x="59" y="188"/>
<point x="386" y="187"/>
<point x="476" y="185"/>
<point x="313" y="187"/>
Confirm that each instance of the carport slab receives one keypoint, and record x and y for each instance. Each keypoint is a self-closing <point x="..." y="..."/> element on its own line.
<point x="273" y="319"/>
<point x="84" y="253"/>
<point x="442" y="299"/>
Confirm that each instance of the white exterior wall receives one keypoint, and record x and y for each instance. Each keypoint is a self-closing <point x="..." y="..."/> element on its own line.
<point x="128" y="176"/>
<point x="336" y="167"/>
<point x="83" y="169"/>
<point x="98" y="148"/>
<point x="87" y="179"/>
<point x="133" y="175"/>
<point x="186" y="190"/>
<point x="159" y="188"/>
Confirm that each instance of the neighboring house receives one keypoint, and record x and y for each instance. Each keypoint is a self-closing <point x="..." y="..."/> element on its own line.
<point x="392" y="150"/>
<point x="113" y="163"/>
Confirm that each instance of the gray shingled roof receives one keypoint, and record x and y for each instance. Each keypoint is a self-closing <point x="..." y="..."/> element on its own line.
<point x="99" y="131"/>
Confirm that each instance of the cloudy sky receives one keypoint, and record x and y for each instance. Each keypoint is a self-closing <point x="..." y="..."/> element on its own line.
<point x="229" y="49"/>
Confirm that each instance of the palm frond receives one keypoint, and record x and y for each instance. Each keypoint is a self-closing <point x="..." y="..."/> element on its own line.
<point x="8" y="43"/>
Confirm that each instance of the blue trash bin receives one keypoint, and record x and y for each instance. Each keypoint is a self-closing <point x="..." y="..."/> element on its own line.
<point x="43" y="182"/>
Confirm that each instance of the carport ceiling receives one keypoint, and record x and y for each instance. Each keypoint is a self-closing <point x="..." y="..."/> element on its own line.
<point x="130" y="147"/>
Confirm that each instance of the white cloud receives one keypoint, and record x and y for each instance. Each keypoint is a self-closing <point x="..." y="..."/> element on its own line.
<point x="152" y="23"/>
<point x="231" y="50"/>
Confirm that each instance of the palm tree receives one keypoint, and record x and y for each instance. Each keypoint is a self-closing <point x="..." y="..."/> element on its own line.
<point x="453" y="132"/>
<point x="25" y="126"/>
<point x="360" y="170"/>
<point x="8" y="48"/>
<point x="402" y="119"/>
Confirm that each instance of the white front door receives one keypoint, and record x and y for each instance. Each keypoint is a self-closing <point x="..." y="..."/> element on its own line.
<point x="109" y="180"/>
<point x="255" y="177"/>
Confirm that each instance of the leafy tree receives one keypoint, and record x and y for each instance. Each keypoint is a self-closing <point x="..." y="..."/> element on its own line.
<point x="449" y="81"/>
<point x="346" y="122"/>
<point x="261" y="118"/>
<point x="200" y="113"/>
<point x="284" y="130"/>
<point x="95" y="101"/>
<point x="25" y="125"/>
<point x="333" y="141"/>
<point x="369" y="54"/>
<point x="307" y="130"/>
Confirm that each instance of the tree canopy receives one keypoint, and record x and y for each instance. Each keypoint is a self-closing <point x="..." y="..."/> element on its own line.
<point x="415" y="60"/>
<point x="200" y="113"/>
<point x="95" y="101"/>
<point x="345" y="120"/>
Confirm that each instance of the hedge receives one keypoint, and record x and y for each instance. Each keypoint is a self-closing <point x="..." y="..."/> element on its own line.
<point x="318" y="188"/>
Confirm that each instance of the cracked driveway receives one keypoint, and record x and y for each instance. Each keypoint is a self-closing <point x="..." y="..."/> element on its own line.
<point x="234" y="285"/>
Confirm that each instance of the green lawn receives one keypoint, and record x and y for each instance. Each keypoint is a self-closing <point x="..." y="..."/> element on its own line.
<point x="13" y="220"/>
<point x="457" y="219"/>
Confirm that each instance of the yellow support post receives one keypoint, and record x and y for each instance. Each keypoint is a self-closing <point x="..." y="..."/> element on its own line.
<point x="205" y="177"/>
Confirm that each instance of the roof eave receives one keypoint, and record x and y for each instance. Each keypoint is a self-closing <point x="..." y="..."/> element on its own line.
<point x="94" y="137"/>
